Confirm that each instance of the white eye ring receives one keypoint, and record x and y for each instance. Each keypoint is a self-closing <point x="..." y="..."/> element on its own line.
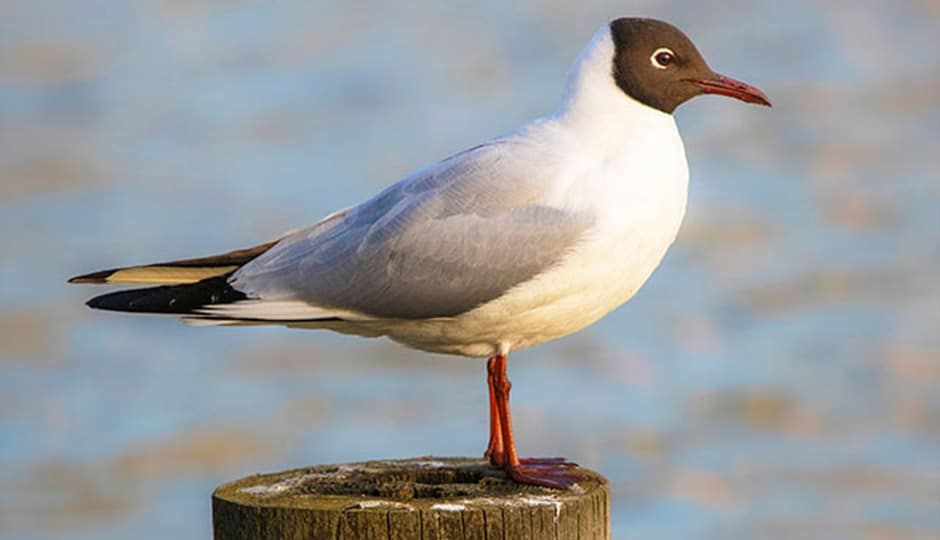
<point x="654" y="58"/>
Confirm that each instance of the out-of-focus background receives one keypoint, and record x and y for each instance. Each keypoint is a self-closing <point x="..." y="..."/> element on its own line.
<point x="778" y="377"/>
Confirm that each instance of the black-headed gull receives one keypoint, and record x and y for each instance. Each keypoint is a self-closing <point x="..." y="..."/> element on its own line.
<point x="518" y="241"/>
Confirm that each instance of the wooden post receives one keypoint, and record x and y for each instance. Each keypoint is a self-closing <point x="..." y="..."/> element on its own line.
<point x="412" y="499"/>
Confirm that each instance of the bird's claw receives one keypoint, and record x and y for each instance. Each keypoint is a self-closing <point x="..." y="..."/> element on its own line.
<point x="555" y="476"/>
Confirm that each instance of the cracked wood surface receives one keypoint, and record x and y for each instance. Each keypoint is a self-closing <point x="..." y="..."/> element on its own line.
<point x="412" y="499"/>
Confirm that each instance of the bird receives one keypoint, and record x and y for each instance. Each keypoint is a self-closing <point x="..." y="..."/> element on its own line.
<point x="521" y="240"/>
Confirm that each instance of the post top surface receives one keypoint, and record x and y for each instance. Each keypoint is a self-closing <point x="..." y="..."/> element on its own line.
<point x="427" y="483"/>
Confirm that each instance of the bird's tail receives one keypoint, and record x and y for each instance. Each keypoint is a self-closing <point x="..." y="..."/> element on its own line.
<point x="187" y="284"/>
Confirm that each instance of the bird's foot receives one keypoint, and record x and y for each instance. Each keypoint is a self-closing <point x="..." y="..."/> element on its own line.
<point x="545" y="472"/>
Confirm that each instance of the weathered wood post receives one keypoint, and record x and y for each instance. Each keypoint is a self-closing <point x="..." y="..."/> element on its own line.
<point x="412" y="499"/>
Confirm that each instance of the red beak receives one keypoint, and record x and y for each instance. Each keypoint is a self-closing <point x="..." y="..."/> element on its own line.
<point x="726" y="86"/>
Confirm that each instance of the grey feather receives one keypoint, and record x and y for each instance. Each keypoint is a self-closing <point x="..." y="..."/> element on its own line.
<point x="436" y="244"/>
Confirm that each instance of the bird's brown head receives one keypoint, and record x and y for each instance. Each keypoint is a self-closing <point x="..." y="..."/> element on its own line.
<point x="658" y="65"/>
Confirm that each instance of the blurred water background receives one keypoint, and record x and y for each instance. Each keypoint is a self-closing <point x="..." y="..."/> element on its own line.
<point x="777" y="377"/>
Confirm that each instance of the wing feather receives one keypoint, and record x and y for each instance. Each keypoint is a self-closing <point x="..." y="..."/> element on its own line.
<point x="436" y="244"/>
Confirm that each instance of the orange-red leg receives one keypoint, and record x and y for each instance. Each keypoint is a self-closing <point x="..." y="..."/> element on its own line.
<point x="501" y="451"/>
<point x="494" y="450"/>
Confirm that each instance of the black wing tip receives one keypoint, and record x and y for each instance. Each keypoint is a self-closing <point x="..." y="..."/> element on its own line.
<point x="149" y="300"/>
<point x="101" y="302"/>
<point x="169" y="299"/>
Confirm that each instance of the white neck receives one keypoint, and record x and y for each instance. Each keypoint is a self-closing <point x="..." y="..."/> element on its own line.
<point x="597" y="110"/>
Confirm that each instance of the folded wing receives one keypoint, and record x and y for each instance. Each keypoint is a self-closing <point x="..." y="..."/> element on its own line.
<point x="437" y="244"/>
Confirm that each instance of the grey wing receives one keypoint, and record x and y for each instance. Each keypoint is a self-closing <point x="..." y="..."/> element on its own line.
<point x="436" y="244"/>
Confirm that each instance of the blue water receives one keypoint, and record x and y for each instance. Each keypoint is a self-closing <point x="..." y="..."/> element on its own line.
<point x="776" y="378"/>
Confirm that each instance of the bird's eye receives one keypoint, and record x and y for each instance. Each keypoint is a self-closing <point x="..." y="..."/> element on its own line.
<point x="662" y="58"/>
